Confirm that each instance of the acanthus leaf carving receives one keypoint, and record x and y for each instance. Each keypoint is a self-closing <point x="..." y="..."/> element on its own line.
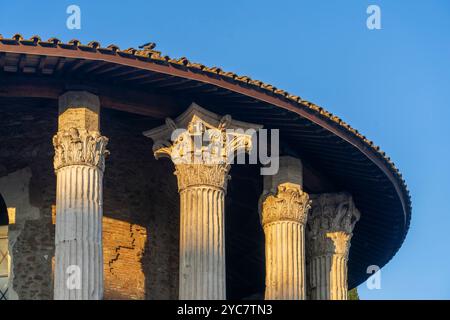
<point x="200" y="144"/>
<point x="189" y="175"/>
<point x="79" y="147"/>
<point x="289" y="203"/>
<point x="330" y="224"/>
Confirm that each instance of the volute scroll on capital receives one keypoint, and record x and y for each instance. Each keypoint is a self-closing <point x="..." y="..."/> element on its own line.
<point x="202" y="143"/>
<point x="199" y="136"/>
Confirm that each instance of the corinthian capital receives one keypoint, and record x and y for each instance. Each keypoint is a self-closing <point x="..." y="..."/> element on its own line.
<point x="199" y="136"/>
<point x="190" y="175"/>
<point x="289" y="203"/>
<point x="79" y="147"/>
<point x="331" y="222"/>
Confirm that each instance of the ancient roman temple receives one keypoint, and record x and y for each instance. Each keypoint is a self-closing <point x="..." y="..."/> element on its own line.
<point x="128" y="174"/>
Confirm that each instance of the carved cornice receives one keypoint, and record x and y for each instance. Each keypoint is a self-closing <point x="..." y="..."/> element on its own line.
<point x="289" y="203"/>
<point x="198" y="175"/>
<point x="331" y="221"/>
<point x="79" y="147"/>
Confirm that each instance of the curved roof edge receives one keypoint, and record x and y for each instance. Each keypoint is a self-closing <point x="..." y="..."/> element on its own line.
<point x="153" y="60"/>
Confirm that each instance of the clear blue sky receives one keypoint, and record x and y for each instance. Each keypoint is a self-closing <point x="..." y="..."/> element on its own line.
<point x="391" y="84"/>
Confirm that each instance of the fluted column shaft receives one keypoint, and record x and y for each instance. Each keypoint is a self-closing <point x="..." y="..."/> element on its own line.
<point x="79" y="164"/>
<point x="202" y="231"/>
<point x="285" y="249"/>
<point x="78" y="236"/>
<point x="283" y="219"/>
<point x="328" y="277"/>
<point x="202" y="239"/>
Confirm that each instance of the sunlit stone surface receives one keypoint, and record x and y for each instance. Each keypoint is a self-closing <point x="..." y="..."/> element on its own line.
<point x="202" y="174"/>
<point x="79" y="165"/>
<point x="284" y="209"/>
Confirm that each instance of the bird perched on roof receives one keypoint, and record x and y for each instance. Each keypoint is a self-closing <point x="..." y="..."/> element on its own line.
<point x="148" y="46"/>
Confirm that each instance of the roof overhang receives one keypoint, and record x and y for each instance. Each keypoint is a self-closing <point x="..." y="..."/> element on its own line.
<point x="146" y="83"/>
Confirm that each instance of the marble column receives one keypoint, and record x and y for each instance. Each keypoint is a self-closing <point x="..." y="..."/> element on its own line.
<point x="329" y="231"/>
<point x="202" y="146"/>
<point x="79" y="164"/>
<point x="202" y="238"/>
<point x="284" y="208"/>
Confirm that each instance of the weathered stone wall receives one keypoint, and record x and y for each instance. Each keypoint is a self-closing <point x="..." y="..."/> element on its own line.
<point x="124" y="247"/>
<point x="140" y="193"/>
<point x="27" y="183"/>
